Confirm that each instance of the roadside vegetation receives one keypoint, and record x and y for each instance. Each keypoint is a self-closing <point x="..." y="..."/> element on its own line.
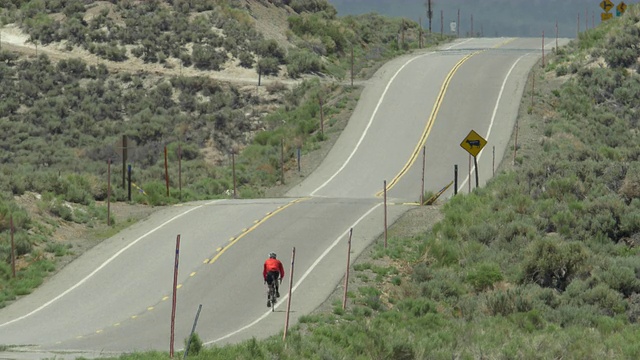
<point x="63" y="120"/>
<point x="542" y="263"/>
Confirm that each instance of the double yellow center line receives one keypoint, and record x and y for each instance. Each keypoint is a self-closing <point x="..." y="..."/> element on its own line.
<point x="432" y="117"/>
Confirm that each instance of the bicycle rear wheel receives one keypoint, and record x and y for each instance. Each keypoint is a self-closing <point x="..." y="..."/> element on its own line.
<point x="272" y="296"/>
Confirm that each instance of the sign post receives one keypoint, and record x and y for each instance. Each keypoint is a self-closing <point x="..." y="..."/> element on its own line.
<point x="473" y="144"/>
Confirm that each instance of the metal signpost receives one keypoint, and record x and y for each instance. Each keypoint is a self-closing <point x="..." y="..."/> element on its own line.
<point x="474" y="143"/>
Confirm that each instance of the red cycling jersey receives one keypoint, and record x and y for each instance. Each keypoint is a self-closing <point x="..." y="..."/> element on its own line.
<point x="272" y="265"/>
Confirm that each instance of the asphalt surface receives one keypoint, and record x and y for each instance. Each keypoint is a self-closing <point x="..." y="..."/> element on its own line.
<point x="118" y="296"/>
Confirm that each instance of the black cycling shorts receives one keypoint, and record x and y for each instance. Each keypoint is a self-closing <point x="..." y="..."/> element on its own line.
<point x="273" y="275"/>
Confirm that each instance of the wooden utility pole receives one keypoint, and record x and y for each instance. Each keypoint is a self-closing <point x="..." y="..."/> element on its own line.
<point x="472" y="33"/>
<point x="352" y="61"/>
<point x="124" y="159"/>
<point x="420" y="31"/>
<point x="321" y="115"/>
<point x="556" y="36"/>
<point x="429" y="14"/>
<point x="402" y="36"/>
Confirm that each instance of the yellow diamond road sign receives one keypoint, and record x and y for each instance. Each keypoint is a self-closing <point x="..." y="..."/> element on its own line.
<point x="622" y="7"/>
<point x="606" y="5"/>
<point x="473" y="143"/>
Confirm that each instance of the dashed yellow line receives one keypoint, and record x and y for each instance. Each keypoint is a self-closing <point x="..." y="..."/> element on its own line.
<point x="255" y="225"/>
<point x="220" y="251"/>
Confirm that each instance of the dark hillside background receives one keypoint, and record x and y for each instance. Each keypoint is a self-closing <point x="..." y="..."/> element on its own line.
<point x="526" y="18"/>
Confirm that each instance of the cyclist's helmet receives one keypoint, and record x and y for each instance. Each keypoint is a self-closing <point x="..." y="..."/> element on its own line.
<point x="272" y="255"/>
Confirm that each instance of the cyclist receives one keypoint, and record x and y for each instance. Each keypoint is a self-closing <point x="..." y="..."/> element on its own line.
<point x="273" y="270"/>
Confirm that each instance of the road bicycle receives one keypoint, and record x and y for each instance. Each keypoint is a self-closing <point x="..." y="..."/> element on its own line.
<point x="271" y="295"/>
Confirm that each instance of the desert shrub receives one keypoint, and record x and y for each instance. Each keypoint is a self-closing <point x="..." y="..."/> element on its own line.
<point x="445" y="284"/>
<point x="270" y="49"/>
<point x="194" y="344"/>
<point x="313" y="6"/>
<point x="483" y="276"/>
<point x="553" y="263"/>
<point x="60" y="208"/>
<point x="621" y="274"/>
<point x="303" y="62"/>
<point x="246" y="59"/>
<point x="622" y="49"/>
<point x="561" y="70"/>
<point x="610" y="302"/>
<point x="630" y="188"/>
<point x="633" y="310"/>
<point x="207" y="57"/>
<point x="23" y="243"/>
<point x="268" y="66"/>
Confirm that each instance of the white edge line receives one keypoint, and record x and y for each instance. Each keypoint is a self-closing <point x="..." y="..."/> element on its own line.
<point x="299" y="282"/>
<point x="364" y="133"/>
<point x="495" y="111"/>
<point x="105" y="264"/>
<point x="373" y="115"/>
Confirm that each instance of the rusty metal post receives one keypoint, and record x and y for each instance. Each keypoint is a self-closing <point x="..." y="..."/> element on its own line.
<point x="455" y="179"/>
<point x="233" y="166"/>
<point x="424" y="161"/>
<point x="385" y="214"/>
<point x="493" y="163"/>
<point x="286" y="320"/>
<point x="469" y="174"/>
<point x="175" y="290"/>
<point x="556" y="36"/>
<point x="533" y="87"/>
<point x="515" y="144"/>
<point x="180" y="171"/>
<point x="321" y="115"/>
<point x="166" y="169"/>
<point x="543" y="48"/>
<point x="420" y="32"/>
<point x="346" y="277"/>
<point x="124" y="158"/>
<point x="352" y="62"/>
<point x="109" y="192"/>
<point x="282" y="158"/>
<point x="13" y="248"/>
<point x="458" y="25"/>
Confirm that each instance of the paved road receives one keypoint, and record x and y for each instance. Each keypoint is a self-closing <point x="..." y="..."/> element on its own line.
<point x="117" y="297"/>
